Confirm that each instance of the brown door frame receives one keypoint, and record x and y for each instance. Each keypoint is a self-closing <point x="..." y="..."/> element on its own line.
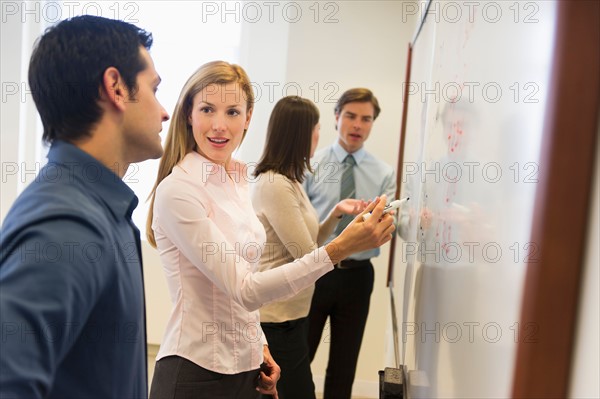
<point x="391" y="260"/>
<point x="552" y="282"/>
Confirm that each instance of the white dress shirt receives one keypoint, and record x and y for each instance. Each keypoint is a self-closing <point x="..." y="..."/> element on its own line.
<point x="372" y="177"/>
<point x="210" y="242"/>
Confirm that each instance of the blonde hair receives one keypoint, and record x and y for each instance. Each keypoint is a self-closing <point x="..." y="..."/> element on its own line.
<point x="180" y="140"/>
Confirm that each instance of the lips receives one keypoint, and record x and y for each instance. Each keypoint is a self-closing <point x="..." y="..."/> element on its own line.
<point x="355" y="136"/>
<point x="219" y="140"/>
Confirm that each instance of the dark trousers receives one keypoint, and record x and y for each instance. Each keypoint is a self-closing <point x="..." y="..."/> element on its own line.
<point x="289" y="348"/>
<point x="343" y="295"/>
<point x="179" y="378"/>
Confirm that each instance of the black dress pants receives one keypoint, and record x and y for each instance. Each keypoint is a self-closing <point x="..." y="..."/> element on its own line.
<point x="289" y="347"/>
<point x="343" y="295"/>
<point x="179" y="378"/>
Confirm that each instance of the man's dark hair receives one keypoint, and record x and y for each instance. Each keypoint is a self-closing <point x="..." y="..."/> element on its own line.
<point x="359" y="95"/>
<point x="67" y="67"/>
<point x="289" y="138"/>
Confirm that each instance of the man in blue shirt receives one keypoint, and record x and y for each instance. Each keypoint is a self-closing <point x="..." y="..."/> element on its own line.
<point x="72" y="305"/>
<point x="346" y="169"/>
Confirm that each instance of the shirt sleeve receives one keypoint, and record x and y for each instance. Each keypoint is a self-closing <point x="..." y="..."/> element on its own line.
<point x="181" y="217"/>
<point x="49" y="288"/>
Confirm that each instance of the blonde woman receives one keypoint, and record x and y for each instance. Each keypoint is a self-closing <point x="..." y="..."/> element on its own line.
<point x="210" y="242"/>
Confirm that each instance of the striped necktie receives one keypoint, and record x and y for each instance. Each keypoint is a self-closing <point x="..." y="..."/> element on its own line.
<point x="347" y="190"/>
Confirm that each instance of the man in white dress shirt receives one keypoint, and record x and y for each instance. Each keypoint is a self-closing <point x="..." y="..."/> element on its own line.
<point x="346" y="169"/>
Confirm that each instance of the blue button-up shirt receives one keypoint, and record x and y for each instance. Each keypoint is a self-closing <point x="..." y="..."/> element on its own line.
<point x="372" y="177"/>
<point x="71" y="287"/>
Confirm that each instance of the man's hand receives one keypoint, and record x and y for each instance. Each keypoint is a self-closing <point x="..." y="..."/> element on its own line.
<point x="350" y="206"/>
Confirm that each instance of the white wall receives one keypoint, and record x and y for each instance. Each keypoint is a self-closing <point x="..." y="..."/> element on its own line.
<point x="9" y="138"/>
<point x="20" y="145"/>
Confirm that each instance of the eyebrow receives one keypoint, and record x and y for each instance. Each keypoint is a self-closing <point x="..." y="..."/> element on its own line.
<point x="212" y="105"/>
<point x="352" y="114"/>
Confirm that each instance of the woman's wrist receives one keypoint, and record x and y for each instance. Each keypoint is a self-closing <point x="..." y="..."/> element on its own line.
<point x="336" y="250"/>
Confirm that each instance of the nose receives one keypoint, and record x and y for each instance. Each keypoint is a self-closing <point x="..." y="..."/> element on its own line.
<point x="218" y="123"/>
<point x="164" y="114"/>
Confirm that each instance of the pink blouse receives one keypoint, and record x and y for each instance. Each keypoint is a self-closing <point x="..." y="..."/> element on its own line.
<point x="210" y="243"/>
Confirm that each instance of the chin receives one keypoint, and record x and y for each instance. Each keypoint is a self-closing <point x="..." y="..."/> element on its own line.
<point x="157" y="153"/>
<point x="154" y="154"/>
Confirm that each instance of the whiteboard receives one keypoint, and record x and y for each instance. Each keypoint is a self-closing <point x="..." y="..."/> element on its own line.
<point x="480" y="73"/>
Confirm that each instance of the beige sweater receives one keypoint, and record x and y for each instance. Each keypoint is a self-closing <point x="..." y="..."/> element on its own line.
<point x="293" y="230"/>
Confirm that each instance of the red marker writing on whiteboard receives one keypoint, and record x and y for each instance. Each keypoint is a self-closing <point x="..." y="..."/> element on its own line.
<point x="391" y="206"/>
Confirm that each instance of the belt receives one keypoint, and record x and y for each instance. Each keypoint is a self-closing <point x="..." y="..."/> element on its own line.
<point x="352" y="264"/>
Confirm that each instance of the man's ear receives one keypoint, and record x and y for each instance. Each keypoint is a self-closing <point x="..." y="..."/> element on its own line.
<point x="113" y="89"/>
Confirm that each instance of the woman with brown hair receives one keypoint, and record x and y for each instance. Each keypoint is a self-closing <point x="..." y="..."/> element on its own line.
<point x="293" y="230"/>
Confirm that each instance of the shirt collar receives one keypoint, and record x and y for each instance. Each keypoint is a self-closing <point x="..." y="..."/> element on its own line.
<point x="97" y="178"/>
<point x="195" y="164"/>
<point x="340" y="153"/>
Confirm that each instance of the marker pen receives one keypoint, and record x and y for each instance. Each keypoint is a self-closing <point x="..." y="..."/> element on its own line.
<point x="392" y="205"/>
